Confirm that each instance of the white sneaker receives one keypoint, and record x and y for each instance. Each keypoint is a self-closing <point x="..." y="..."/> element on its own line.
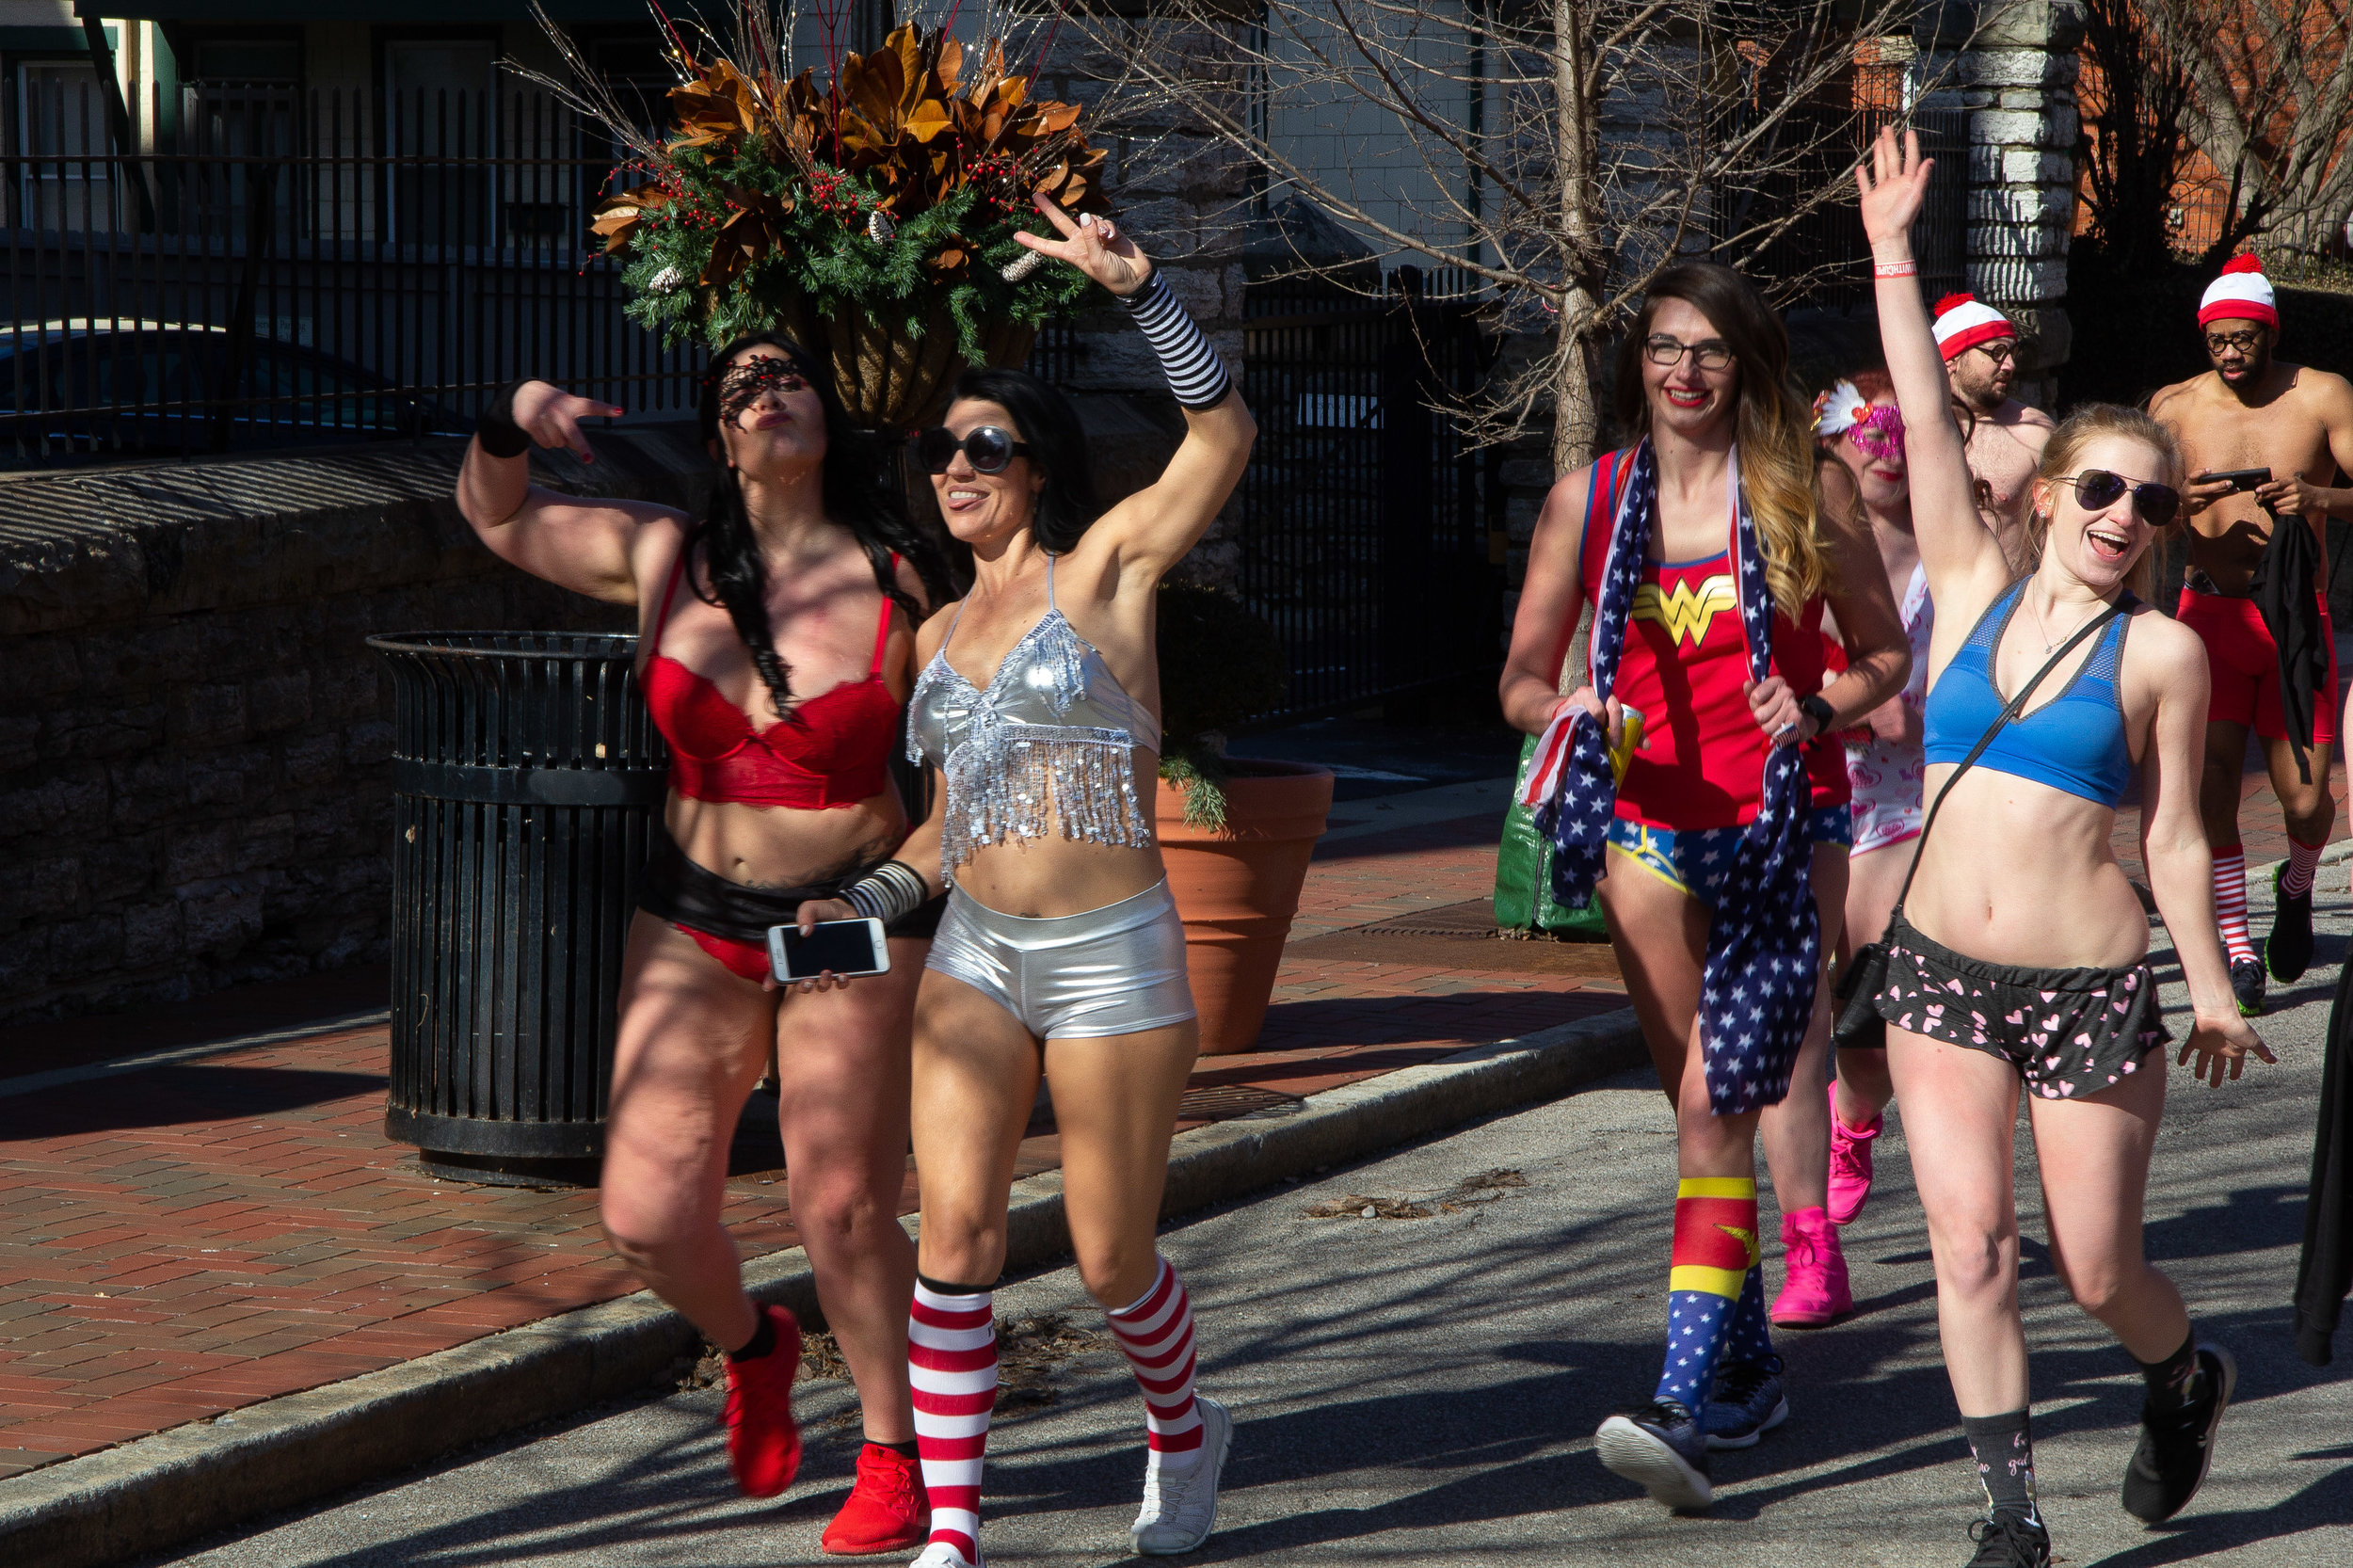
<point x="938" y="1554"/>
<point x="1180" y="1506"/>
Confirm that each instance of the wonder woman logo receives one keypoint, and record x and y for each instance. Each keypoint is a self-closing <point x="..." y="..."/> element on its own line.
<point x="1746" y="1237"/>
<point x="1687" y="613"/>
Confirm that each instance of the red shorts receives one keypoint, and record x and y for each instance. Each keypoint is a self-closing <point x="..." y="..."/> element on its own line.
<point x="2243" y="663"/>
<point x="748" y="959"/>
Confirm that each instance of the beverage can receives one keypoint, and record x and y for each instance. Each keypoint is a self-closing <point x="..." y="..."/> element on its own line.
<point x="1622" y="753"/>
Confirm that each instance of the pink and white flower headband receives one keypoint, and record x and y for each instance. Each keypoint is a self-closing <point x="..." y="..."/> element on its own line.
<point x="1878" y="429"/>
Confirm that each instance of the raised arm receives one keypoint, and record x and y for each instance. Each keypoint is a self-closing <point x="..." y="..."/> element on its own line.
<point x="1964" y="561"/>
<point x="1152" y="529"/>
<point x="582" y="544"/>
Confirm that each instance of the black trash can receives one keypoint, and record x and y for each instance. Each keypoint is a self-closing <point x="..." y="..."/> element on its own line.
<point x="526" y="775"/>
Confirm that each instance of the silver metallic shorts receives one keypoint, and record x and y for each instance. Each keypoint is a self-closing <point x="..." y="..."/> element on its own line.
<point x="1119" y="970"/>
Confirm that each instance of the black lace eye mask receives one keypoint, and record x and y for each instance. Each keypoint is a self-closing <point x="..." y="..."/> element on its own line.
<point x="739" y="386"/>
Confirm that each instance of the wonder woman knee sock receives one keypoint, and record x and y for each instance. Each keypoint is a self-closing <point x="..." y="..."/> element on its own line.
<point x="1715" y="1248"/>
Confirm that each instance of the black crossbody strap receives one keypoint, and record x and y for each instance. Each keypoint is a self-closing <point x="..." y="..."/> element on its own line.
<point x="2015" y="706"/>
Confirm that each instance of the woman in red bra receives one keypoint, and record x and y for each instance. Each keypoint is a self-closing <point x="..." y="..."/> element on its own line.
<point x="777" y="632"/>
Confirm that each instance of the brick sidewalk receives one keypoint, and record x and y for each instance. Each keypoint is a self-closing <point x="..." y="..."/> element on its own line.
<point x="184" y="1240"/>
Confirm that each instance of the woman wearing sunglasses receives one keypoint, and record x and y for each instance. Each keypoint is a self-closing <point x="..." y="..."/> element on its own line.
<point x="2017" y="957"/>
<point x="1723" y="828"/>
<point x="776" y="630"/>
<point x="1060" y="952"/>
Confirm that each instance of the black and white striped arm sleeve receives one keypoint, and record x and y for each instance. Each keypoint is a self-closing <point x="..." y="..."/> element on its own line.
<point x="1195" y="373"/>
<point x="889" y="891"/>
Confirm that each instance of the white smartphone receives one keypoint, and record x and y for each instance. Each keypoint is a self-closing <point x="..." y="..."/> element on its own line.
<point x="845" y="947"/>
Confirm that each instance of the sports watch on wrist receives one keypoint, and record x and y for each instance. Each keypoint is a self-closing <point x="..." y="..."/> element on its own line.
<point x="1812" y="707"/>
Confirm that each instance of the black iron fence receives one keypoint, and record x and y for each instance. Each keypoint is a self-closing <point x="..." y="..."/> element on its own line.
<point x="303" y="267"/>
<point x="1366" y="517"/>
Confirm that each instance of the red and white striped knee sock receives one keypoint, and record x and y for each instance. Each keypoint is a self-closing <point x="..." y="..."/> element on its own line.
<point x="1156" y="1332"/>
<point x="2303" y="860"/>
<point x="2230" y="900"/>
<point x="951" y="1363"/>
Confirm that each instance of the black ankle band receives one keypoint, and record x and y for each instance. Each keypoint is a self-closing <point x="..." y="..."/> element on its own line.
<point x="904" y="1450"/>
<point x="764" y="1340"/>
<point x="941" y="1288"/>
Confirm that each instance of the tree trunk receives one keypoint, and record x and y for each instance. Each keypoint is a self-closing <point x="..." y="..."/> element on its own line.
<point x="1575" y="407"/>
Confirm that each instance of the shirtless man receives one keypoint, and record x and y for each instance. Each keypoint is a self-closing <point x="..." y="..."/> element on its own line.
<point x="2005" y="437"/>
<point x="2252" y="412"/>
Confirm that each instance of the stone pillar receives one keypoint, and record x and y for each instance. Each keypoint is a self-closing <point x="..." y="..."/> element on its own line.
<point x="2017" y="77"/>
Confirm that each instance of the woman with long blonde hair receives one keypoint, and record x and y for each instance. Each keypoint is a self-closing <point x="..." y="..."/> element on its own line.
<point x="1723" y="823"/>
<point x="2016" y="957"/>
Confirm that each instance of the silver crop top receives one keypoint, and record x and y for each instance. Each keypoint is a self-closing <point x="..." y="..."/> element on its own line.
<point x="1052" y="718"/>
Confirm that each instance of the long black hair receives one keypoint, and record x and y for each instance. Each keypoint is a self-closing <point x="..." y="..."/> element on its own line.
<point x="1043" y="417"/>
<point x="859" y="492"/>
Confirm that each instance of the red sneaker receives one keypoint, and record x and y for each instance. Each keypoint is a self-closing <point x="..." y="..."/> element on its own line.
<point x="763" y="1441"/>
<point x="886" y="1510"/>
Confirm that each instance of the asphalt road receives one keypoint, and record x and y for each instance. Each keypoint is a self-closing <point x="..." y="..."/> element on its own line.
<point x="1425" y="1390"/>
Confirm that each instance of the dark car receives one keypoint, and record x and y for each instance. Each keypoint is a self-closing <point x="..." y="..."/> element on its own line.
<point x="76" y="392"/>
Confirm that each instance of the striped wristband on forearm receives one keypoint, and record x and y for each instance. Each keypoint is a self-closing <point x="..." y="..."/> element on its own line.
<point x="889" y="891"/>
<point x="1195" y="373"/>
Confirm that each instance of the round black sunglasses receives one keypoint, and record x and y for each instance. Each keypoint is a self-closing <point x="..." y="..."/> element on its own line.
<point x="988" y="449"/>
<point x="2096" y="488"/>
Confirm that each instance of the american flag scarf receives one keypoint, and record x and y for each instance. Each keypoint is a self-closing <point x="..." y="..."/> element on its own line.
<point x="1765" y="944"/>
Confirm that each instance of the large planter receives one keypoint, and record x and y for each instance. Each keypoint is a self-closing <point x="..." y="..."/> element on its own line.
<point x="1238" y="888"/>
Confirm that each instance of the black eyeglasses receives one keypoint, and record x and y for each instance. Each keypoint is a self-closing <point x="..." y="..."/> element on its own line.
<point x="2221" y="342"/>
<point x="2097" y="489"/>
<point x="988" y="449"/>
<point x="1711" y="353"/>
<point x="2000" y="352"/>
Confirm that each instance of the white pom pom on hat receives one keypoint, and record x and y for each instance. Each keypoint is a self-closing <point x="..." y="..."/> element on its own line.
<point x="2241" y="292"/>
<point x="1962" y="323"/>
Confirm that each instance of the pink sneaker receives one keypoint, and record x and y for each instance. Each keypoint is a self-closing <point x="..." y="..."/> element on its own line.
<point x="1850" y="1163"/>
<point x="1814" y="1291"/>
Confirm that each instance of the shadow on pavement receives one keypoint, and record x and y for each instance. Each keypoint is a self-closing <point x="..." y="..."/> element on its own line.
<point x="175" y="1096"/>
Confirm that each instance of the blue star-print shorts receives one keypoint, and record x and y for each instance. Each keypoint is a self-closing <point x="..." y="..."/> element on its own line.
<point x="1696" y="860"/>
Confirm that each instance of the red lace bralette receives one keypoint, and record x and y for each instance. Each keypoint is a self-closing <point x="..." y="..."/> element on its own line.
<point x="831" y="751"/>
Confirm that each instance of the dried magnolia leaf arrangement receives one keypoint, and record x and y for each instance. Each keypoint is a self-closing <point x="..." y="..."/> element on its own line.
<point x="891" y="192"/>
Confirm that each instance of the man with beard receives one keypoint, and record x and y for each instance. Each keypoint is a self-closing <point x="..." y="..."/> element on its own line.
<point x="2004" y="437"/>
<point x="2263" y="441"/>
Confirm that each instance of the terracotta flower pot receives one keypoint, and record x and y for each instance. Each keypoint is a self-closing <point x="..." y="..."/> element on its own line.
<point x="1238" y="888"/>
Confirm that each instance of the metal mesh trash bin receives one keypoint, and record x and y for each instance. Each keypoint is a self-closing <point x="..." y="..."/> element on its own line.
<point x="526" y="775"/>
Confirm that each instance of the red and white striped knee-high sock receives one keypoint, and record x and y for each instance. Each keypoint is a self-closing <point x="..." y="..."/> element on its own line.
<point x="1156" y="1332"/>
<point x="951" y="1363"/>
<point x="2230" y="900"/>
<point x="2303" y="861"/>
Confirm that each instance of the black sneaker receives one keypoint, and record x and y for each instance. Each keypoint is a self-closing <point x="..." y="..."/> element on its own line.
<point x="1747" y="1404"/>
<point x="2010" y="1541"/>
<point x="1660" y="1449"/>
<point x="2247" y="984"/>
<point x="2288" y="950"/>
<point x="2176" y="1446"/>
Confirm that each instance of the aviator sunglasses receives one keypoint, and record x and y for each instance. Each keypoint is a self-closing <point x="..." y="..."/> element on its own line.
<point x="989" y="449"/>
<point x="2097" y="489"/>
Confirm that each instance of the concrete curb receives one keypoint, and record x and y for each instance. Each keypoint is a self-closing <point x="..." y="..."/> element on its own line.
<point x="207" y="1476"/>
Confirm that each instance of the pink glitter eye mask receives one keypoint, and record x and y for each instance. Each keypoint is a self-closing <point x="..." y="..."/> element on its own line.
<point x="1878" y="429"/>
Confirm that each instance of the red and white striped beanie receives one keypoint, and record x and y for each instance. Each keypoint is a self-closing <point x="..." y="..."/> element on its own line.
<point x="2242" y="292"/>
<point x="1962" y="323"/>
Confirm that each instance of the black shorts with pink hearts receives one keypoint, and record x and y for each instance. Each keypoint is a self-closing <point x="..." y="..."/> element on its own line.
<point x="2070" y="1033"/>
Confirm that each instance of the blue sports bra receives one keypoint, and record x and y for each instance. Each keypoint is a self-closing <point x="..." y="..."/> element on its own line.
<point x="2072" y="742"/>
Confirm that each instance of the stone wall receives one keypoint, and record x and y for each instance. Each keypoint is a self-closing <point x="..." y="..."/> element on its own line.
<point x="193" y="735"/>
